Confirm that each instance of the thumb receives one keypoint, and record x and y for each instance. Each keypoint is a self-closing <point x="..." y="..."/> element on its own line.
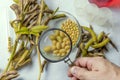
<point x="80" y="73"/>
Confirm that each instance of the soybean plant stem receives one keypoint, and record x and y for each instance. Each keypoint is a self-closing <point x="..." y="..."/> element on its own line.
<point x="39" y="59"/>
<point x="39" y="23"/>
<point x="12" y="55"/>
<point x="41" y="12"/>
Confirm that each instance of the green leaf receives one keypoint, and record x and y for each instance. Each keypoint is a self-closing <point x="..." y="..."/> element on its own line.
<point x="16" y="1"/>
<point x="38" y="29"/>
<point x="23" y="30"/>
<point x="35" y="34"/>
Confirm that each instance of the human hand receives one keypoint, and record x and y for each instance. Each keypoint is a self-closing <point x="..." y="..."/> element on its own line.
<point x="96" y="68"/>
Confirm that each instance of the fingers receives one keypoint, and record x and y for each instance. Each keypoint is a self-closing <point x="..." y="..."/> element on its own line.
<point x="84" y="62"/>
<point x="79" y="73"/>
<point x="74" y="78"/>
<point x="69" y="73"/>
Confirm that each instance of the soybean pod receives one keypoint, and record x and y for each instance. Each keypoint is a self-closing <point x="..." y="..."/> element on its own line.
<point x="89" y="43"/>
<point x="100" y="36"/>
<point x="103" y="43"/>
<point x="84" y="52"/>
<point x="94" y="37"/>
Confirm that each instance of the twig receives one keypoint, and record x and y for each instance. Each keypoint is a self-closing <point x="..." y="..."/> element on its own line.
<point x="39" y="22"/>
<point x="43" y="65"/>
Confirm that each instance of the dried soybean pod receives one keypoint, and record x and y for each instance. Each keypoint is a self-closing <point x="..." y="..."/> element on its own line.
<point x="9" y="44"/>
<point x="94" y="37"/>
<point x="103" y="43"/>
<point x="23" y="57"/>
<point x="89" y="43"/>
<point x="47" y="49"/>
<point x="84" y="52"/>
<point x="23" y="63"/>
<point x="100" y="36"/>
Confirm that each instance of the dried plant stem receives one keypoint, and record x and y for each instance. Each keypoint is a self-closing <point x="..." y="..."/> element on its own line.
<point x="39" y="60"/>
<point x="41" y="12"/>
<point x="39" y="22"/>
<point x="43" y="65"/>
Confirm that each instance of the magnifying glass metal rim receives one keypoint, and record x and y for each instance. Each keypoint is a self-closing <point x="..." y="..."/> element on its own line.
<point x="40" y="39"/>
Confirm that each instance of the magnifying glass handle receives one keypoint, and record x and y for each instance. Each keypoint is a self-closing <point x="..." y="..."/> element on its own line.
<point x="69" y="62"/>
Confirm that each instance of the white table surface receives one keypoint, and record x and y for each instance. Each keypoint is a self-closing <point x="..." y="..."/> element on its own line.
<point x="57" y="71"/>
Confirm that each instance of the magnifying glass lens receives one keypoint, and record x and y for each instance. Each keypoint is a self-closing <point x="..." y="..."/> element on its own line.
<point x="55" y="45"/>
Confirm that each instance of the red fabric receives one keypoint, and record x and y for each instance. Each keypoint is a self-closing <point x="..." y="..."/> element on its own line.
<point x="110" y="3"/>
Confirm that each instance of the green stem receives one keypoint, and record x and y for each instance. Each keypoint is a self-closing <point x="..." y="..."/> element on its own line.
<point x="12" y="55"/>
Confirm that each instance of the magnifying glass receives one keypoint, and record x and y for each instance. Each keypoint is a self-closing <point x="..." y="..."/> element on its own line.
<point x="55" y="45"/>
<point x="51" y="39"/>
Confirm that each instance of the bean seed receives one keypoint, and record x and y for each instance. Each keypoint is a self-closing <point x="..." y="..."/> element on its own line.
<point x="52" y="37"/>
<point x="57" y="54"/>
<point x="62" y="34"/>
<point x="59" y="39"/>
<point x="68" y="42"/>
<point x="65" y="39"/>
<point x="63" y="54"/>
<point x="72" y="29"/>
<point x="54" y="47"/>
<point x="62" y="50"/>
<point x="57" y="33"/>
<point x="56" y="51"/>
<point x="67" y="47"/>
<point x="54" y="42"/>
<point x="58" y="45"/>
<point x="63" y="45"/>
<point x="47" y="49"/>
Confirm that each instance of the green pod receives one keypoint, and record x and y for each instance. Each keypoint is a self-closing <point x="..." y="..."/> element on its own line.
<point x="57" y="16"/>
<point x="94" y="37"/>
<point x="100" y="36"/>
<point x="84" y="52"/>
<point x="89" y="43"/>
<point x="103" y="43"/>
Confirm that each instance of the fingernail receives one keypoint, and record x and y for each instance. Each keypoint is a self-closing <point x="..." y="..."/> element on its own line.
<point x="73" y="70"/>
